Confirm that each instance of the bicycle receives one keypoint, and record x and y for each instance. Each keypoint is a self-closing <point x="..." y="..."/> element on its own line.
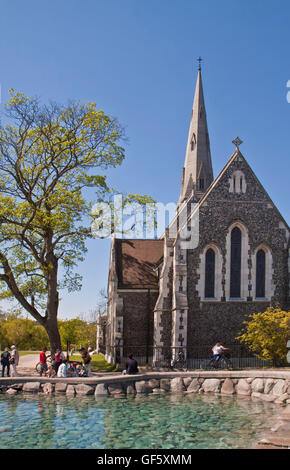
<point x="180" y="362"/>
<point x="48" y="360"/>
<point x="223" y="362"/>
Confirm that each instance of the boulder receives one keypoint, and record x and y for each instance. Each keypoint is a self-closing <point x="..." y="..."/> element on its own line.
<point x="11" y="391"/>
<point x="154" y="383"/>
<point x="243" y="388"/>
<point x="17" y="387"/>
<point x="269" y="398"/>
<point x="70" y="390"/>
<point x="194" y="386"/>
<point x="142" y="386"/>
<point x="269" y="384"/>
<point x="101" y="390"/>
<point x="48" y="388"/>
<point x="228" y="387"/>
<point x="282" y="398"/>
<point x="116" y="389"/>
<point x="211" y="385"/>
<point x="60" y="387"/>
<point x="177" y="385"/>
<point x="187" y="381"/>
<point x="258" y="385"/>
<point x="279" y="388"/>
<point x="84" y="389"/>
<point x="130" y="388"/>
<point x="165" y="384"/>
<point x="32" y="387"/>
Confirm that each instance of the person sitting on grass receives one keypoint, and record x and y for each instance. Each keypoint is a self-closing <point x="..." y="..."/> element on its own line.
<point x="61" y="372"/>
<point x="50" y="371"/>
<point x="131" y="366"/>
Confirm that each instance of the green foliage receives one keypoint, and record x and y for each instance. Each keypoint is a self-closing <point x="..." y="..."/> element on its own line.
<point x="49" y="156"/>
<point x="77" y="332"/>
<point x="266" y="334"/>
<point x="28" y="335"/>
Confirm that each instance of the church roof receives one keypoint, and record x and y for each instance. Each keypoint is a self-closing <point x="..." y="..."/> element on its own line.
<point x="136" y="262"/>
<point x="197" y="170"/>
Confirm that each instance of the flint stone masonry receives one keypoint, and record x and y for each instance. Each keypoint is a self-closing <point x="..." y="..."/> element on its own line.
<point x="271" y="385"/>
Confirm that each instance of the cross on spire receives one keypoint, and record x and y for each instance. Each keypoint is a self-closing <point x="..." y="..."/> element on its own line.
<point x="237" y="141"/>
<point x="199" y="60"/>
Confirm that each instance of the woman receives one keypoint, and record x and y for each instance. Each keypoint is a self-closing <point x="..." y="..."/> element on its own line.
<point x="86" y="360"/>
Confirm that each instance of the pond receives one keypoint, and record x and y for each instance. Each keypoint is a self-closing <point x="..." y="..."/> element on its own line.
<point x="170" y="421"/>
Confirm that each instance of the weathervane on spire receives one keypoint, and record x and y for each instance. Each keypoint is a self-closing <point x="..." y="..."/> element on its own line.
<point x="199" y="63"/>
<point x="237" y="141"/>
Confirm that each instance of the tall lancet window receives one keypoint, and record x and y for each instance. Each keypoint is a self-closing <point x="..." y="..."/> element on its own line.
<point x="209" y="273"/>
<point x="260" y="273"/>
<point x="236" y="257"/>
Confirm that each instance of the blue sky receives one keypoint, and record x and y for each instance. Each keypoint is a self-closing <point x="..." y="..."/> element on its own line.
<point x="137" y="60"/>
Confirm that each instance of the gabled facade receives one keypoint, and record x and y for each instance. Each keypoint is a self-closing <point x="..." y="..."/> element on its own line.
<point x="203" y="292"/>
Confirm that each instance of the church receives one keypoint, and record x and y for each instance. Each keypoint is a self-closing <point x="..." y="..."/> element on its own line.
<point x="224" y="257"/>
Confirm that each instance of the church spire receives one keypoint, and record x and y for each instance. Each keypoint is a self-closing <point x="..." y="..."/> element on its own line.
<point x="197" y="172"/>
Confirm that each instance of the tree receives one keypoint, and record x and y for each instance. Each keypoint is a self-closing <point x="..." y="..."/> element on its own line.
<point x="267" y="333"/>
<point x="49" y="155"/>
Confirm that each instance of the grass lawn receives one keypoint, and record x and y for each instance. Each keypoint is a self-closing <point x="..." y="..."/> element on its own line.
<point x="98" y="363"/>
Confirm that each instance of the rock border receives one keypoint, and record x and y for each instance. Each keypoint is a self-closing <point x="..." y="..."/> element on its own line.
<point x="270" y="387"/>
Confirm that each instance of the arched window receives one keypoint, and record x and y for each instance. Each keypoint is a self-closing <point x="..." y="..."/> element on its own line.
<point x="209" y="273"/>
<point x="260" y="273"/>
<point x="236" y="257"/>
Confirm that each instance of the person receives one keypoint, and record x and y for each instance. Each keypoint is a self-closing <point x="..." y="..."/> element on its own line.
<point x="131" y="366"/>
<point x="90" y="349"/>
<point x="57" y="359"/>
<point x="5" y="361"/>
<point x="43" y="363"/>
<point x="86" y="360"/>
<point x="61" y="372"/>
<point x="14" y="360"/>
<point x="217" y="350"/>
<point x="50" y="371"/>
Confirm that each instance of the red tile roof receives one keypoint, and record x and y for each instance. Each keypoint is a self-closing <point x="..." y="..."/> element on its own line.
<point x="135" y="262"/>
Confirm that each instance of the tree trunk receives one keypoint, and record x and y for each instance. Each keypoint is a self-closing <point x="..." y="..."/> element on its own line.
<point x="52" y="305"/>
<point x="53" y="334"/>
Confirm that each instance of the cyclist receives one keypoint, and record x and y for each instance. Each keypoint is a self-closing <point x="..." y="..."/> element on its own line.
<point x="217" y="350"/>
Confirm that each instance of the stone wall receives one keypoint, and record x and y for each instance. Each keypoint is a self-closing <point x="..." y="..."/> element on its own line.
<point x="268" y="387"/>
<point x="221" y="319"/>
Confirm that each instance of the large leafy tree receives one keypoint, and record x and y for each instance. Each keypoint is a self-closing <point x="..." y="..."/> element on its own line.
<point x="266" y="334"/>
<point x="49" y="156"/>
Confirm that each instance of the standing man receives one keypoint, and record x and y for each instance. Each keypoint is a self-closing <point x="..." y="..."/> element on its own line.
<point x="86" y="360"/>
<point x="42" y="360"/>
<point x="14" y="361"/>
<point x="5" y="361"/>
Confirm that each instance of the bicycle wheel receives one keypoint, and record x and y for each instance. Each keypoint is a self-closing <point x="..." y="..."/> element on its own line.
<point x="225" y="363"/>
<point x="210" y="365"/>
<point x="37" y="367"/>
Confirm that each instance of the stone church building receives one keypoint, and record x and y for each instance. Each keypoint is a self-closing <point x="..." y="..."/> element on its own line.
<point x="171" y="294"/>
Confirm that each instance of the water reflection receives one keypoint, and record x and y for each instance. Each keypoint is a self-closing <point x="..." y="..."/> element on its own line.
<point x="162" y="421"/>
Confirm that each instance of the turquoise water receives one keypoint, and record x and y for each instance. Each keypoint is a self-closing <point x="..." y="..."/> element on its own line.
<point x="141" y="422"/>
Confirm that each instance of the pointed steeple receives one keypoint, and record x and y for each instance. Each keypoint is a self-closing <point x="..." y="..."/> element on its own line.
<point x="197" y="171"/>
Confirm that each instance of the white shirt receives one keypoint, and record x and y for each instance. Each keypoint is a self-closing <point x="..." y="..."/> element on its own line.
<point x="61" y="370"/>
<point x="15" y="354"/>
<point x="217" y="350"/>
